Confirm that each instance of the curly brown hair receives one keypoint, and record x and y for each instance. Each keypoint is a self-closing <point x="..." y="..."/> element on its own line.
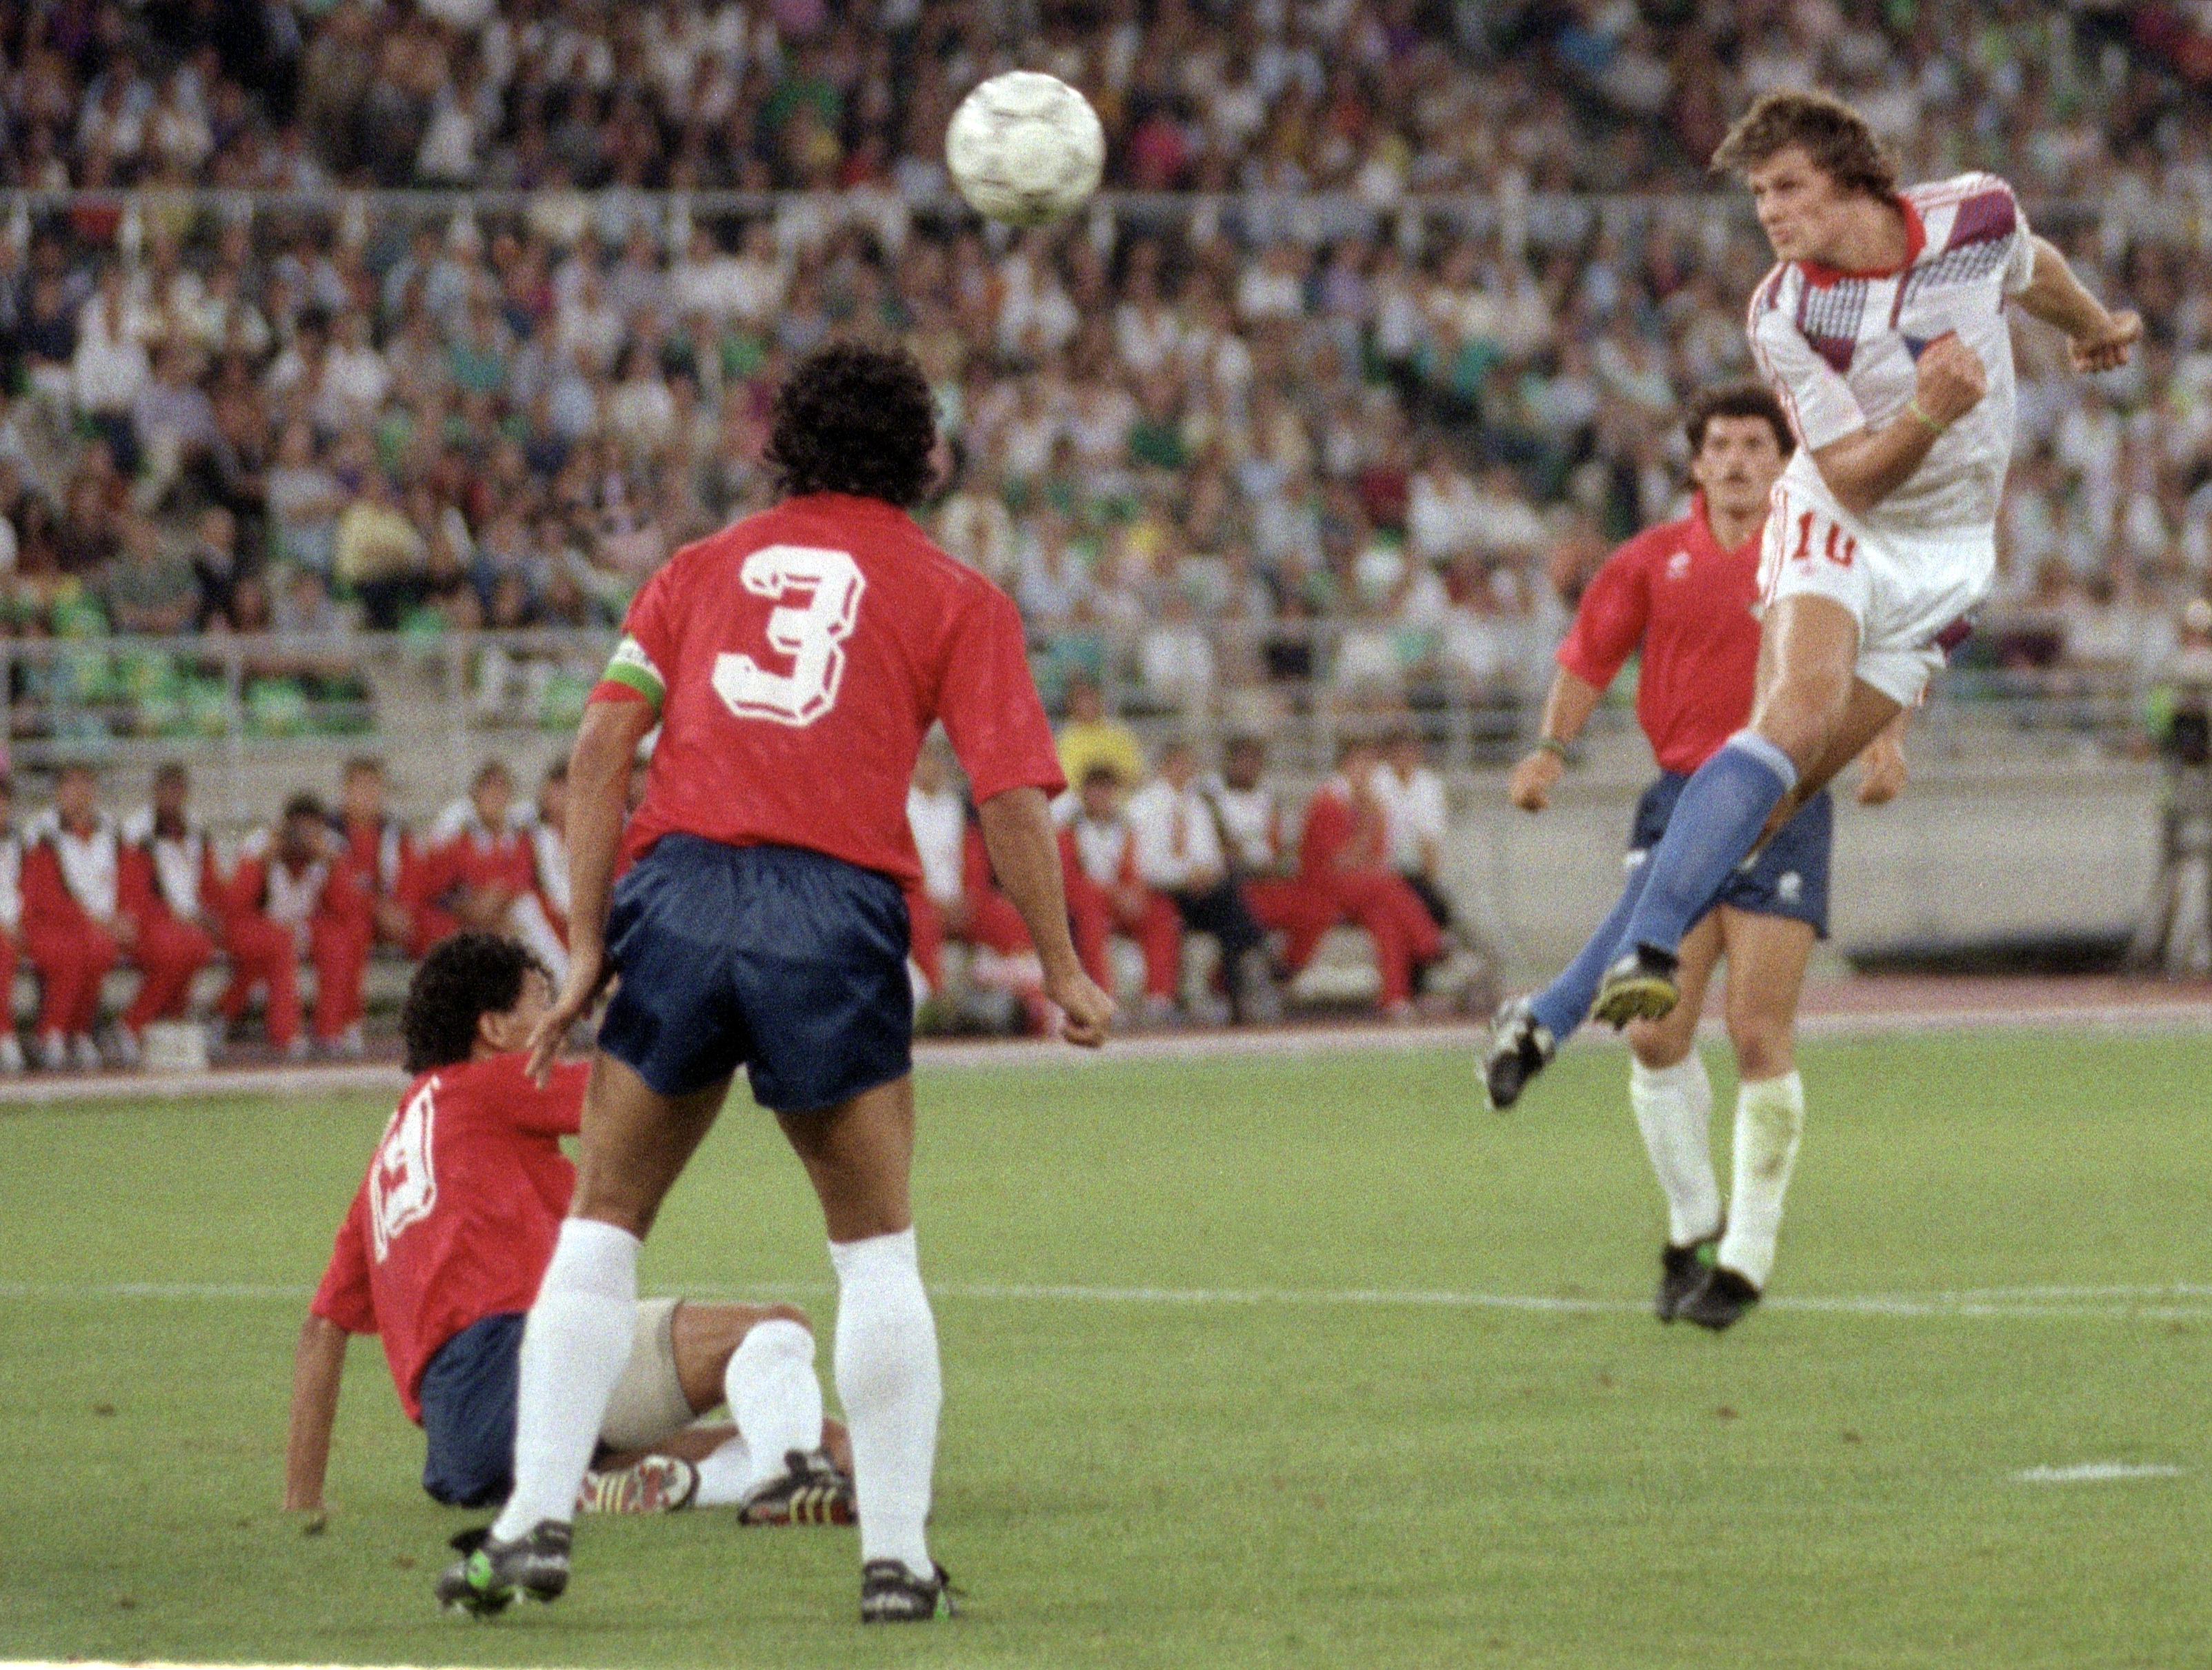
<point x="854" y="417"/>
<point x="1836" y="137"/>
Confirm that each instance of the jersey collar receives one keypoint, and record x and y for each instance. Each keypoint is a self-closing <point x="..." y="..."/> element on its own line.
<point x="1701" y="530"/>
<point x="1820" y="274"/>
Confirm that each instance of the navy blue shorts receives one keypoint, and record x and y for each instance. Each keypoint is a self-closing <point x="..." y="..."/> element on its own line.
<point x="1792" y="876"/>
<point x="788" y="963"/>
<point x="467" y="1395"/>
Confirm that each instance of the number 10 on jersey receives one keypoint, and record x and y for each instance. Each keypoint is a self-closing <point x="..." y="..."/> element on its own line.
<point x="812" y="632"/>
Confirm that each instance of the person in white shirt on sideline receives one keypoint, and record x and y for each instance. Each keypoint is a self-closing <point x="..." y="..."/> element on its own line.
<point x="11" y="924"/>
<point x="1179" y="853"/>
<point x="1412" y="796"/>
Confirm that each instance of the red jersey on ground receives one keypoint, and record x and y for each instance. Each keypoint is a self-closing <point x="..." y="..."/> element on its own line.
<point x="457" y="1218"/>
<point x="798" y="657"/>
<point x="1689" y="604"/>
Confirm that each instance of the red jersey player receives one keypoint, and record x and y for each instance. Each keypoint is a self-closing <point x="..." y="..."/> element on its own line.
<point x="444" y="1245"/>
<point x="794" y="663"/>
<point x="1686" y="595"/>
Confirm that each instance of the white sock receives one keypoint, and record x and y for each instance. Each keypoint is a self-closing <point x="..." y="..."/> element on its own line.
<point x="890" y="1383"/>
<point x="1770" y="1116"/>
<point x="574" y="1348"/>
<point x="774" y="1396"/>
<point x="1673" y="1110"/>
<point x="725" y="1476"/>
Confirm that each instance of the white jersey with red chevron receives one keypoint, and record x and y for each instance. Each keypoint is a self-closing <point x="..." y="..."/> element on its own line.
<point x="1839" y="348"/>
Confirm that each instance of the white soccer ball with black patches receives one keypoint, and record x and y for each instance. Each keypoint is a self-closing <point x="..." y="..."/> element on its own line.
<point x="1024" y="148"/>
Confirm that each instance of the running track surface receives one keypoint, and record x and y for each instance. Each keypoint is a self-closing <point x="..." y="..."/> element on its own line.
<point x="1866" y="1007"/>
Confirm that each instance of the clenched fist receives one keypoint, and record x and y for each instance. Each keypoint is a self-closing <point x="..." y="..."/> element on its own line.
<point x="1950" y="380"/>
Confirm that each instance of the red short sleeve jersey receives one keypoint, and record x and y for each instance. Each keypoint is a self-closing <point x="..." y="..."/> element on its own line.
<point x="799" y="657"/>
<point x="1689" y="605"/>
<point x="457" y="1216"/>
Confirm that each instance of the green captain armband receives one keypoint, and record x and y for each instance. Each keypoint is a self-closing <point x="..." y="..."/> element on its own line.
<point x="631" y="666"/>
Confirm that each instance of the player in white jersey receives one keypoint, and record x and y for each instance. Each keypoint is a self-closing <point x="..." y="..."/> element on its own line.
<point x="1882" y="330"/>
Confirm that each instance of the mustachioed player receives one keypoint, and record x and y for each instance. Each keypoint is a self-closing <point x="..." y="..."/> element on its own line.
<point x="794" y="663"/>
<point x="1883" y="329"/>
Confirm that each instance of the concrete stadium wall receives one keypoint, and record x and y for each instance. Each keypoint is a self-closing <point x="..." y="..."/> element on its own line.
<point x="1967" y="853"/>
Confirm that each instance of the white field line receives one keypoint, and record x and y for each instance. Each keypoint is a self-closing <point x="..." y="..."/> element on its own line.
<point x="2164" y="1302"/>
<point x="2098" y="1473"/>
<point x="1293" y="1042"/>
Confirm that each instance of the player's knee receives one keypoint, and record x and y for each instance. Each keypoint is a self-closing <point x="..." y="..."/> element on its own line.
<point x="784" y="1314"/>
<point x="1763" y="1044"/>
<point x="1657" y="1047"/>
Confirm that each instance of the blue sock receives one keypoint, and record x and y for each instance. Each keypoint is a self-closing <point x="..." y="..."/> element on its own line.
<point x="1564" y="1004"/>
<point x="1722" y="808"/>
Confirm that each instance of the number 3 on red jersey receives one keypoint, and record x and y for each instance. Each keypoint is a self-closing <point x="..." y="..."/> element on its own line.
<point x="812" y="632"/>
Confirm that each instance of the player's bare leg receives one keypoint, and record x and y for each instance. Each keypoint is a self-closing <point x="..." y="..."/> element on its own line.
<point x="1766" y="957"/>
<point x="1867" y="713"/>
<point x="758" y="1359"/>
<point x="1673" y="1101"/>
<point x="859" y="1155"/>
<point x="1808" y="648"/>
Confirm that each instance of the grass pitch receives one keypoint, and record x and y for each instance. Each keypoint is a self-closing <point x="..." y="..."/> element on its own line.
<point x="1236" y="1375"/>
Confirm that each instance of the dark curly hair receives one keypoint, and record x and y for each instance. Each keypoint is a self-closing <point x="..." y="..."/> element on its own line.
<point x="1745" y="399"/>
<point x="463" y="980"/>
<point x="854" y="418"/>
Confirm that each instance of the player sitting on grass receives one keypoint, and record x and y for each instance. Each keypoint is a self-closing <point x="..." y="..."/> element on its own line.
<point x="442" y="1251"/>
<point x="1682" y="595"/>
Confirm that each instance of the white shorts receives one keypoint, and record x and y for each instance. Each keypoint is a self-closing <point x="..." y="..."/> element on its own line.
<point x="648" y="1404"/>
<point x="1911" y="594"/>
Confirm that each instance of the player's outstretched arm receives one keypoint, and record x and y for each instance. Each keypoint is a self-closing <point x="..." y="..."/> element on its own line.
<point x="1567" y="708"/>
<point x="1863" y="468"/>
<point x="598" y="796"/>
<point x="1017" y="834"/>
<point x="2099" y="339"/>
<point x="317" y="1368"/>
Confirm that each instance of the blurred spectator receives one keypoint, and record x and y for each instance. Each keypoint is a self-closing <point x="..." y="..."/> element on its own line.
<point x="1107" y="894"/>
<point x="1089" y="738"/>
<point x="11" y="924"/>
<point x="148" y="590"/>
<point x="1178" y="853"/>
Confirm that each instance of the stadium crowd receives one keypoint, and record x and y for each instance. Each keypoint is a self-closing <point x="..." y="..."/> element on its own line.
<point x="1215" y="455"/>
<point x="1354" y="448"/>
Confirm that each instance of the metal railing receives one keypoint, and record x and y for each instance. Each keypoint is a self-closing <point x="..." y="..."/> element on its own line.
<point x="451" y="698"/>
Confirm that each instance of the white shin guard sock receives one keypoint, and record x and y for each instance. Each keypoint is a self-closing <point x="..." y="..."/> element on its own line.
<point x="725" y="1476"/>
<point x="774" y="1396"/>
<point x="1673" y="1110"/>
<point x="889" y="1383"/>
<point x="1770" y="1116"/>
<point x="574" y="1348"/>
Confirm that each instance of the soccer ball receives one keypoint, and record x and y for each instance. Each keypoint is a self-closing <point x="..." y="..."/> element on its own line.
<point x="1024" y="148"/>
